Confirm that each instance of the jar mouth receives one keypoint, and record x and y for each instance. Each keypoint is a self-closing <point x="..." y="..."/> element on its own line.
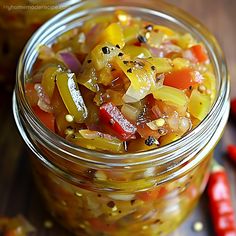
<point x="192" y="142"/>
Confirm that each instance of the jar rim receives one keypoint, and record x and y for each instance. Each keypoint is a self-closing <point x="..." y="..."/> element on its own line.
<point x="162" y="154"/>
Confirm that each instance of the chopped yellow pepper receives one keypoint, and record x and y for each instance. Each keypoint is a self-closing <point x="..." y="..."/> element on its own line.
<point x="113" y="34"/>
<point x="102" y="54"/>
<point x="88" y="77"/>
<point x="162" y="65"/>
<point x="199" y="104"/>
<point x="136" y="52"/>
<point x="131" y="33"/>
<point x="96" y="140"/>
<point x="140" y="75"/>
<point x="164" y="29"/>
<point x="171" y="95"/>
<point x="48" y="80"/>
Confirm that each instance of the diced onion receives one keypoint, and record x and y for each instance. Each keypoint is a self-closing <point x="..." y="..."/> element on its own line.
<point x="187" y="54"/>
<point x="132" y="95"/>
<point x="184" y="124"/>
<point x="71" y="61"/>
<point x="130" y="112"/>
<point x="173" y="121"/>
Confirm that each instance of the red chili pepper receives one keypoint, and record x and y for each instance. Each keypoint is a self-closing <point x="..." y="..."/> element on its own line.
<point x="221" y="207"/>
<point x="231" y="149"/>
<point x="233" y="108"/>
<point x="111" y="116"/>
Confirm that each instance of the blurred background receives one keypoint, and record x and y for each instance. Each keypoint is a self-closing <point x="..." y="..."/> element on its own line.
<point x="17" y="191"/>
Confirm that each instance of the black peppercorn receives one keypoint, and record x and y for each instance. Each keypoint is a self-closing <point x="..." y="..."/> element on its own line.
<point x="150" y="141"/>
<point x="142" y="39"/>
<point x="153" y="67"/>
<point x="106" y="50"/>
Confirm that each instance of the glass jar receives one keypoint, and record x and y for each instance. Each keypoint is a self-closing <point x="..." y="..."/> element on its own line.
<point x="18" y="20"/>
<point x="147" y="193"/>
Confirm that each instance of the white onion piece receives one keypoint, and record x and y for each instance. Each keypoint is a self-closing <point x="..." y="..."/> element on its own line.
<point x="130" y="112"/>
<point x="44" y="101"/>
<point x="132" y="95"/>
<point x="187" y="54"/>
<point x="71" y="61"/>
<point x="173" y="121"/>
<point x="157" y="52"/>
<point x="184" y="124"/>
<point x="169" y="47"/>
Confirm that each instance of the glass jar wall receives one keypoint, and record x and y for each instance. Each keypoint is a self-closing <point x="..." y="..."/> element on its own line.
<point x="147" y="193"/>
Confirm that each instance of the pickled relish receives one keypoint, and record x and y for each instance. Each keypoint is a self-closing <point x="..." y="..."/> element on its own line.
<point x="120" y="84"/>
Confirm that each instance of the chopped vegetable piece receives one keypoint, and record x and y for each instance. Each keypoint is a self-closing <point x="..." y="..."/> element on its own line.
<point x="49" y="78"/>
<point x="155" y="39"/>
<point x="71" y="96"/>
<point x="105" y="76"/>
<point x="97" y="141"/>
<point x="162" y="65"/>
<point x="113" y="34"/>
<point x="101" y="59"/>
<point x="164" y="29"/>
<point x="199" y="104"/>
<point x="136" y="52"/>
<point x="171" y="95"/>
<point x="141" y="77"/>
<point x="111" y="116"/>
<point x="180" y="63"/>
<point x="186" y="41"/>
<point x="71" y="61"/>
<point x="209" y="81"/>
<point x="200" y="53"/>
<point x="221" y="207"/>
<point x="181" y="79"/>
<point x="130" y="112"/>
<point x="131" y="34"/>
<point x="89" y="77"/>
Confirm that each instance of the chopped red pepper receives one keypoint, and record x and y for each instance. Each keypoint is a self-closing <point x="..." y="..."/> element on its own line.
<point x="221" y="207"/>
<point x="112" y="117"/>
<point x="199" y="52"/>
<point x="231" y="149"/>
<point x="181" y="79"/>
<point x="233" y="108"/>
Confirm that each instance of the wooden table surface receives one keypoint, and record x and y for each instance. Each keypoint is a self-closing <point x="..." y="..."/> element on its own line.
<point x="17" y="191"/>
